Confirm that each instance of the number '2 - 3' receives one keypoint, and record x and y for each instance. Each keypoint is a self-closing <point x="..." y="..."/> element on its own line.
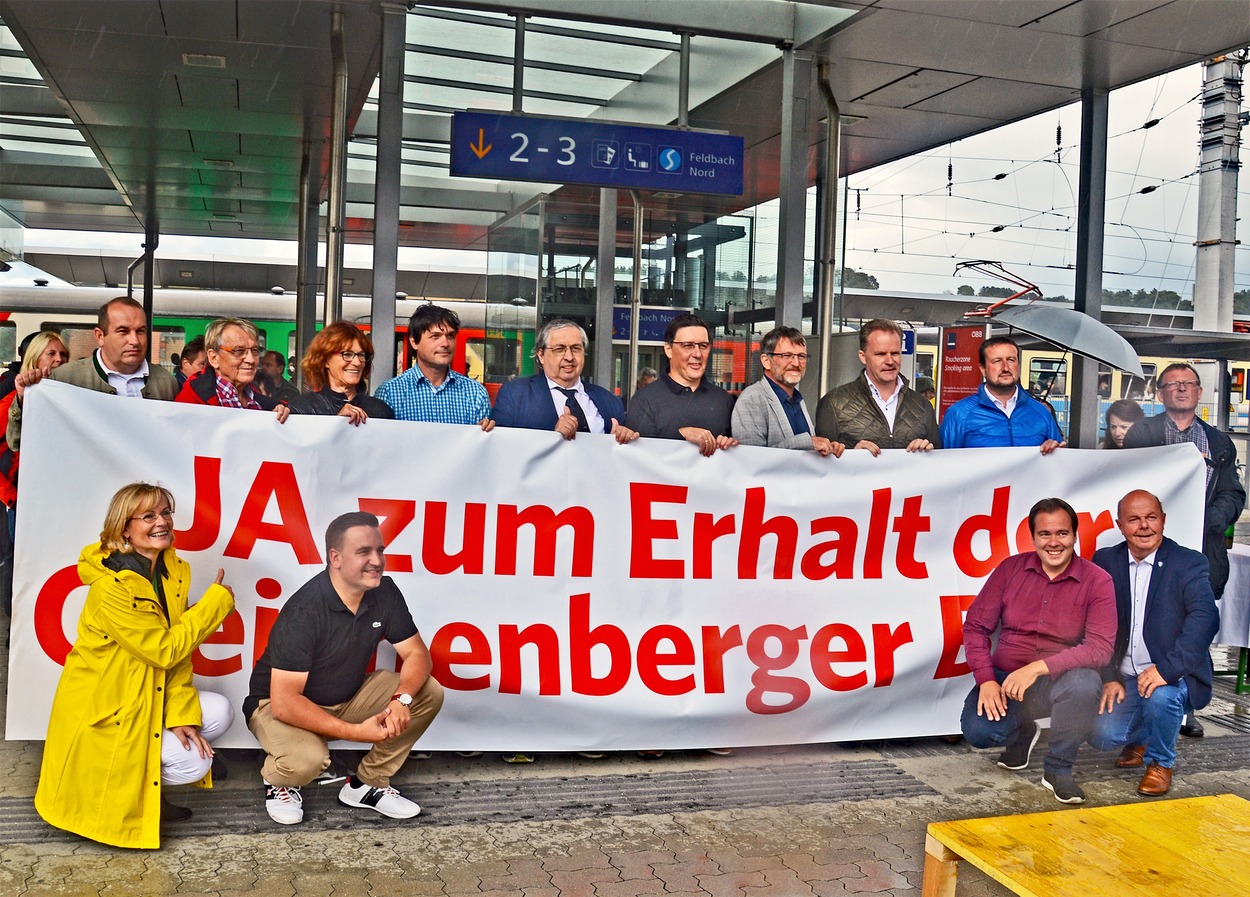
<point x="567" y="145"/>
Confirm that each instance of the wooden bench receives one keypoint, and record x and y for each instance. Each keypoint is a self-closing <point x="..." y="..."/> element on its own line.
<point x="1168" y="848"/>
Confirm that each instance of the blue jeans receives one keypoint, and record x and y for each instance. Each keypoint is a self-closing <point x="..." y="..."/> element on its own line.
<point x="1154" y="721"/>
<point x="1071" y="702"/>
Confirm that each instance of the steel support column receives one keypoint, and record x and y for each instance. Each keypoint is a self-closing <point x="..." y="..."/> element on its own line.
<point x="336" y="215"/>
<point x="1090" y="225"/>
<point x="796" y="81"/>
<point x="826" y="233"/>
<point x="306" y="269"/>
<point x="605" y="291"/>
<point x="386" y="188"/>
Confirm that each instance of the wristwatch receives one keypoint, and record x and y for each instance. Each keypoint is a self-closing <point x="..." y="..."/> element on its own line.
<point x="404" y="700"/>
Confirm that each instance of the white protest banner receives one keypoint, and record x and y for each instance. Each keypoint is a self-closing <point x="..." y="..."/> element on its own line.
<point x="581" y="594"/>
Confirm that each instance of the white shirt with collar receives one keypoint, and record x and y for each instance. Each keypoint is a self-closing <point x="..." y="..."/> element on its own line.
<point x="889" y="407"/>
<point x="593" y="418"/>
<point x="1005" y="407"/>
<point x="128" y="385"/>
<point x="1136" y="656"/>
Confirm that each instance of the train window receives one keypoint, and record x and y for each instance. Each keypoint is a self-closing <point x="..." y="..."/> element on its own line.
<point x="1138" y="388"/>
<point x="1237" y="389"/>
<point x="1048" y="376"/>
<point x="1104" y="382"/>
<point x="8" y="341"/>
<point x="165" y="343"/>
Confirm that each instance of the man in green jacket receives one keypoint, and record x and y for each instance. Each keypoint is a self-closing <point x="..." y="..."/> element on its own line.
<point x="119" y="365"/>
<point x="877" y="410"/>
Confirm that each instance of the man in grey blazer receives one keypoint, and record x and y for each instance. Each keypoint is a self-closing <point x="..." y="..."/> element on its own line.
<point x="772" y="412"/>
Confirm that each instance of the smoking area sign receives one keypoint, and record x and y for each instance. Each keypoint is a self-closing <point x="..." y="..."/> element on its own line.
<point x="579" y="151"/>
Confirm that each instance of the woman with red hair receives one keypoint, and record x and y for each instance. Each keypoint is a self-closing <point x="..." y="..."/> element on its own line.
<point x="336" y="370"/>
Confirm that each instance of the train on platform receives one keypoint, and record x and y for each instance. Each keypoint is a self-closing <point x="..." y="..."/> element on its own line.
<point x="496" y="339"/>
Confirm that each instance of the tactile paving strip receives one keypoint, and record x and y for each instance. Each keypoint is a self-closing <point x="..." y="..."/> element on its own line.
<point x="475" y="802"/>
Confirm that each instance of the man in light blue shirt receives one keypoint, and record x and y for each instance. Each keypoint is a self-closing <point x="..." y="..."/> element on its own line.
<point x="430" y="390"/>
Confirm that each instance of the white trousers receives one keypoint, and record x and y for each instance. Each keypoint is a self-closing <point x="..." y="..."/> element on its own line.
<point x="182" y="766"/>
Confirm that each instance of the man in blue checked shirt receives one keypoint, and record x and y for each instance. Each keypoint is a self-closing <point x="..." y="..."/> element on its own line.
<point x="430" y="390"/>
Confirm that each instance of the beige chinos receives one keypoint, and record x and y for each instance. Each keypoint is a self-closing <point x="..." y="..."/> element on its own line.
<point x="294" y="756"/>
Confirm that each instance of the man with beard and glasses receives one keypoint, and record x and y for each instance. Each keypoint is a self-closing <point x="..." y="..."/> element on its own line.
<point x="772" y="412"/>
<point x="878" y="409"/>
<point x="311" y="686"/>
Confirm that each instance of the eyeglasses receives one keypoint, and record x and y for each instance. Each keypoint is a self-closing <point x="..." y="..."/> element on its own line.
<point x="350" y="356"/>
<point x="150" y="518"/>
<point x="573" y="350"/>
<point x="240" y="351"/>
<point x="690" y="347"/>
<point x="787" y="357"/>
<point x="1181" y="384"/>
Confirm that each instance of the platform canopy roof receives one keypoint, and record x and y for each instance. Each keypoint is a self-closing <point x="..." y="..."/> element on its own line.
<point x="195" y="113"/>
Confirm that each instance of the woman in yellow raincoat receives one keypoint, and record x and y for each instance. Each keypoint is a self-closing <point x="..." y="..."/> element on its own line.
<point x="126" y="717"/>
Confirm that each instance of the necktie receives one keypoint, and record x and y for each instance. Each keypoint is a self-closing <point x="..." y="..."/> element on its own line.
<point x="573" y="405"/>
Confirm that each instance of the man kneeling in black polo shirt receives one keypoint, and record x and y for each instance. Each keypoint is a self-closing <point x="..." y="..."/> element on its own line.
<point x="310" y="685"/>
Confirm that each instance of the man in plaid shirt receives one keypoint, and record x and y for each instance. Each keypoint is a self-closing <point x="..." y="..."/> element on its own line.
<point x="430" y="390"/>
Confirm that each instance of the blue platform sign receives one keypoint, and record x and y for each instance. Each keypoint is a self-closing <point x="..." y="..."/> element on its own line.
<point x="581" y="151"/>
<point x="652" y="322"/>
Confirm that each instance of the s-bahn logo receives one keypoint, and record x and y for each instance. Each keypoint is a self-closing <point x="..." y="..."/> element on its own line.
<point x="670" y="159"/>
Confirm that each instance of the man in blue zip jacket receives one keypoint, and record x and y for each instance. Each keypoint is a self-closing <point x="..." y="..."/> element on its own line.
<point x="1001" y="413"/>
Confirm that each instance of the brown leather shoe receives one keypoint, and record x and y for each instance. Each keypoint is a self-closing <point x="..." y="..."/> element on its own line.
<point x="1156" y="781"/>
<point x="1131" y="756"/>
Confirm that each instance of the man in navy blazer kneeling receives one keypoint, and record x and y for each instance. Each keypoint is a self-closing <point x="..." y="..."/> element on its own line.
<point x="1167" y="619"/>
<point x="558" y="399"/>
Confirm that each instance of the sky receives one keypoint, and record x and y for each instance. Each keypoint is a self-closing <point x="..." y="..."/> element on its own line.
<point x="906" y="230"/>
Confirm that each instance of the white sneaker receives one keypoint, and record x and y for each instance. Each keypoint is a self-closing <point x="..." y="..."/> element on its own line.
<point x="284" y="805"/>
<point x="386" y="801"/>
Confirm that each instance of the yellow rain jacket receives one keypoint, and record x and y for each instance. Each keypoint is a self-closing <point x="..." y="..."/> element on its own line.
<point x="127" y="679"/>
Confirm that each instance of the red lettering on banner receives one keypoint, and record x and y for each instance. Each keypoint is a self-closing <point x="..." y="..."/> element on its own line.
<point x="645" y="530"/>
<point x="583" y="639"/>
<point x="754" y="528"/>
<point x="716" y="644"/>
<point x="274" y="480"/>
<point x="707" y="529"/>
<point x="205" y="526"/>
<point x="651" y="658"/>
<point x="885" y="642"/>
<point x="824" y="657"/>
<point x="908" y="525"/>
<point x="1089" y="528"/>
<point x="843" y="548"/>
<point x="229" y="633"/>
<point x="542" y="637"/>
<point x="953" y="608"/>
<point x="270" y="590"/>
<point x="445" y="655"/>
<point x="667" y="659"/>
<point x="547" y="523"/>
<point x="874" y="549"/>
<point x="763" y="680"/>
<point x="394" y="515"/>
<point x="995" y="525"/>
<point x="434" y="556"/>
<point x="50" y="607"/>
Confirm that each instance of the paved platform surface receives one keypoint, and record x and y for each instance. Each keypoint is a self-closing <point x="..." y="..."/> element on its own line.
<point x="787" y="821"/>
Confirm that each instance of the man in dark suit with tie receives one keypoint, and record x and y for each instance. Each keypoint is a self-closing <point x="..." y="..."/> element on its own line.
<point x="558" y="399"/>
<point x="1167" y="619"/>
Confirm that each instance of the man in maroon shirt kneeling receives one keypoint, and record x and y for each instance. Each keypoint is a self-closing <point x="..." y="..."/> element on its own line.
<point x="1056" y="617"/>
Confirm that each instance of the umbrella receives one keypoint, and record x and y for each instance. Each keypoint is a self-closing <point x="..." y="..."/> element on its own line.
<point x="1070" y="329"/>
